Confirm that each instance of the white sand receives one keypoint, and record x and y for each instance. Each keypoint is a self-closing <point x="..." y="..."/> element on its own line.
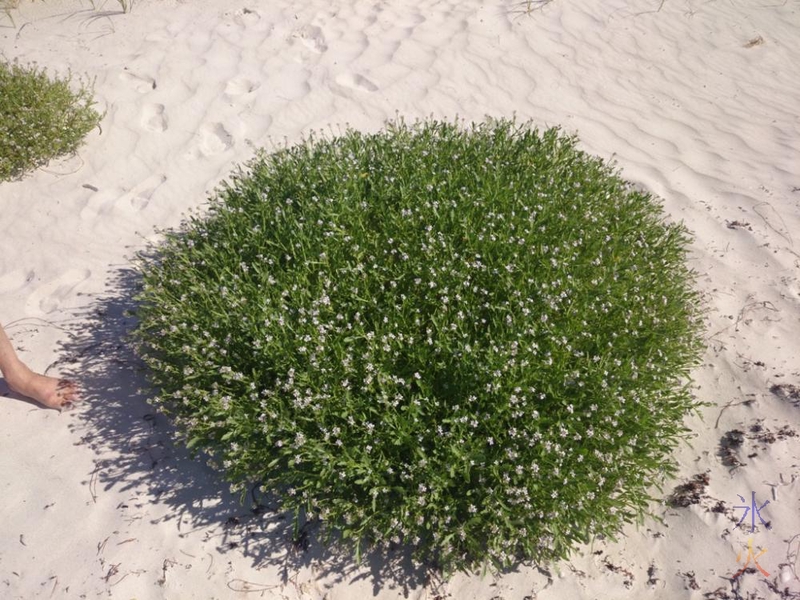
<point x="98" y="503"/>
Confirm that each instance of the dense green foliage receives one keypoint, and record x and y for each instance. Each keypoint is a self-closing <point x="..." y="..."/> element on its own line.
<point x="473" y="340"/>
<point x="41" y="118"/>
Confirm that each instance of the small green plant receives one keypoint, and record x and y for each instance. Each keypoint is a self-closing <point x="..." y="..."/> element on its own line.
<point x="472" y="340"/>
<point x="41" y="117"/>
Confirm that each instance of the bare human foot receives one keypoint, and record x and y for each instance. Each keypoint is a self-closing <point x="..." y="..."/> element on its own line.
<point x="48" y="391"/>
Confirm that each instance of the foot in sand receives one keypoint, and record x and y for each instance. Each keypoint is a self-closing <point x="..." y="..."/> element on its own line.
<point x="49" y="391"/>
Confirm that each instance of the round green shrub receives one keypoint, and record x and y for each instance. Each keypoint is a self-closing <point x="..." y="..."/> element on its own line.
<point x="41" y="117"/>
<point x="473" y="340"/>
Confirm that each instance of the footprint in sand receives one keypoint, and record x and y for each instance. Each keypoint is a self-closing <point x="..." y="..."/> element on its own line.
<point x="245" y="17"/>
<point x="312" y="38"/>
<point x="141" y="83"/>
<point x="153" y="118"/>
<point x="356" y="82"/>
<point x="47" y="298"/>
<point x="239" y="86"/>
<point x="213" y="139"/>
<point x="17" y="279"/>
<point x="141" y="195"/>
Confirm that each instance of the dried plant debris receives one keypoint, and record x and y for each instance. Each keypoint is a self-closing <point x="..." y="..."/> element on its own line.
<point x="783" y="593"/>
<point x="747" y="365"/>
<point x="733" y="592"/>
<point x="628" y="576"/>
<point x="738" y="225"/>
<point x="690" y="492"/>
<point x="764" y="436"/>
<point x="728" y="446"/>
<point x="691" y="582"/>
<point x="756" y="41"/>
<point x="719" y="507"/>
<point x="787" y="392"/>
<point x="652" y="580"/>
<point x="693" y="493"/>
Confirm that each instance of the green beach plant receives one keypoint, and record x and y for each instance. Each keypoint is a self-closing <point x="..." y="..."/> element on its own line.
<point x="473" y="340"/>
<point x="41" y="117"/>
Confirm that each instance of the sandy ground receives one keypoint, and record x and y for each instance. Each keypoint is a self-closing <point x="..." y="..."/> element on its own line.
<point x="697" y="101"/>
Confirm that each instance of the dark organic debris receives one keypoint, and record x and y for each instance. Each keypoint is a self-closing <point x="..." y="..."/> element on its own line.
<point x="690" y="492"/>
<point x="783" y="593"/>
<point x="729" y="443"/>
<point x="753" y="42"/>
<point x="765" y="436"/>
<point x="787" y="392"/>
<point x="719" y="594"/>
<point x="733" y="439"/>
<point x="651" y="575"/>
<point x="628" y="581"/>
<point x="690" y="580"/>
<point x="738" y="225"/>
